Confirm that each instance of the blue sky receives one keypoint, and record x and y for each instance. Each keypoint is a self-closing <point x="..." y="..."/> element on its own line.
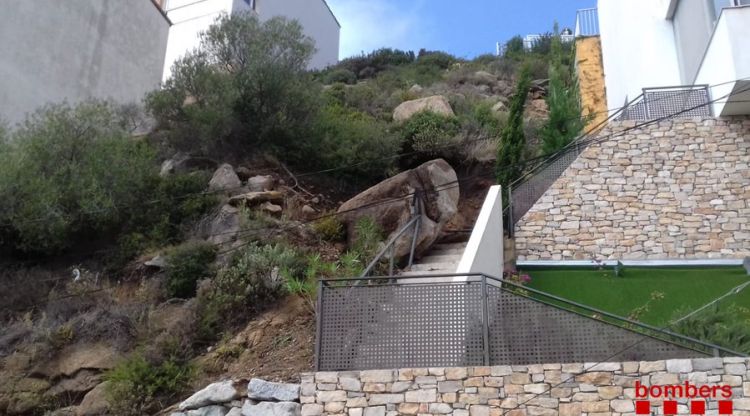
<point x="464" y="28"/>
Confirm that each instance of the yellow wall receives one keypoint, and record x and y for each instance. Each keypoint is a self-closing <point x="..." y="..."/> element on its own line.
<point x="591" y="79"/>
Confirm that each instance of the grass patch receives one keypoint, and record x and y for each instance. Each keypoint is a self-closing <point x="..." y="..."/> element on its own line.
<point x="683" y="289"/>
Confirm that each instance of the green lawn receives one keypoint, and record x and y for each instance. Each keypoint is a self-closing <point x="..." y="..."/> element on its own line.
<point x="683" y="289"/>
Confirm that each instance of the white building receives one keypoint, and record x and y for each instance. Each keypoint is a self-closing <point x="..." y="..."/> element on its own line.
<point x="666" y="43"/>
<point x="191" y="17"/>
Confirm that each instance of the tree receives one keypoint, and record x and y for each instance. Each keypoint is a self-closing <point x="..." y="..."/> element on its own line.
<point x="514" y="47"/>
<point x="245" y="87"/>
<point x="513" y="139"/>
<point x="565" y="120"/>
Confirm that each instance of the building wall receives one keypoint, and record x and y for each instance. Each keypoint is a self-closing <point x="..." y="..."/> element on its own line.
<point x="56" y="50"/>
<point x="318" y="21"/>
<point x="534" y="390"/>
<point x="693" y="25"/>
<point x="677" y="189"/>
<point x="591" y="79"/>
<point x="638" y="46"/>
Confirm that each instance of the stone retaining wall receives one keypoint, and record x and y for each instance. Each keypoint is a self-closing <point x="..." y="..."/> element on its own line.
<point x="534" y="390"/>
<point x="676" y="189"/>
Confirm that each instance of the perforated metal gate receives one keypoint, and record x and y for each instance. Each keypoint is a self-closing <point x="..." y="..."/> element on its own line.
<point x="670" y="102"/>
<point x="392" y="324"/>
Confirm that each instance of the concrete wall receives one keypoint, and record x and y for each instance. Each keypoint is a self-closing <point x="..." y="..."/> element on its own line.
<point x="590" y="72"/>
<point x="56" y="50"/>
<point x="484" y="251"/>
<point x="534" y="390"/>
<point x="638" y="47"/>
<point x="693" y="25"/>
<point x="318" y="21"/>
<point x="673" y="190"/>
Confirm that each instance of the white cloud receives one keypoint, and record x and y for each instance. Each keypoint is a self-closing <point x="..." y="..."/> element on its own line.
<point x="367" y="25"/>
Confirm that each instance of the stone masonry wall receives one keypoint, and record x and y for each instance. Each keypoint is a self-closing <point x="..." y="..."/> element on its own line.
<point x="534" y="390"/>
<point x="676" y="189"/>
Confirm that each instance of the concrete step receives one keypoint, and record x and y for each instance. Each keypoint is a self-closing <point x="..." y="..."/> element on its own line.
<point x="434" y="266"/>
<point x="427" y="273"/>
<point x="447" y="252"/>
<point x="448" y="258"/>
<point x="449" y="246"/>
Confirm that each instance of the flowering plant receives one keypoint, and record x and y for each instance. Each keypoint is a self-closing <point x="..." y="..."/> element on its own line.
<point x="514" y="276"/>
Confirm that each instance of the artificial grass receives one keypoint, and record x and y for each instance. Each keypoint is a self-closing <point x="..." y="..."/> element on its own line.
<point x="683" y="289"/>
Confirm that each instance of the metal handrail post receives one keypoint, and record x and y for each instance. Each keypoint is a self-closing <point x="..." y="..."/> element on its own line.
<point x="417" y="214"/>
<point x="485" y="323"/>
<point x="392" y="260"/>
<point x="319" y="325"/>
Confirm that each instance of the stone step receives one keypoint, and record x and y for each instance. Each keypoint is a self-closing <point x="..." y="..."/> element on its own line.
<point x="449" y="246"/>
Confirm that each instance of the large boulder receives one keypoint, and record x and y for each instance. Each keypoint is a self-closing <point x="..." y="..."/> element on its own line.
<point x="222" y="227"/>
<point x="262" y="390"/>
<point x="72" y="359"/>
<point x="225" y="179"/>
<point x="94" y="402"/>
<point x="216" y="393"/>
<point x="437" y="104"/>
<point x="390" y="205"/>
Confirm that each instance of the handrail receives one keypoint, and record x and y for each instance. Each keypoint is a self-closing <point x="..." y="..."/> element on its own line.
<point x="507" y="285"/>
<point x="414" y="221"/>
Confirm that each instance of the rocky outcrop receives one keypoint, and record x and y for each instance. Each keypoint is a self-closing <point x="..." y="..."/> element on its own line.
<point x="436" y="104"/>
<point x="261" y="183"/>
<point x="389" y="203"/>
<point x="225" y="398"/>
<point x="94" y="403"/>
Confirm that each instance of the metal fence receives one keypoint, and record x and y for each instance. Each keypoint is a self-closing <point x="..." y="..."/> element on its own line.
<point x="471" y="320"/>
<point x="670" y="102"/>
<point x="587" y="22"/>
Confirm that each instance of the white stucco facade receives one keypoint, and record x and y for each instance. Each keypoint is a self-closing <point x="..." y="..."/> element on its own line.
<point x="190" y="18"/>
<point x="665" y="43"/>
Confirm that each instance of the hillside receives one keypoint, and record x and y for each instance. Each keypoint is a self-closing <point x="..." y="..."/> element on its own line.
<point x="138" y="268"/>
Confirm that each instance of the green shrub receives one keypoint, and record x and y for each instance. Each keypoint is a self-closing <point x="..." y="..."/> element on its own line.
<point x="437" y="59"/>
<point x="368" y="236"/>
<point x="431" y="135"/>
<point x="68" y="174"/>
<point x="728" y="327"/>
<point x="137" y="386"/>
<point x="244" y="89"/>
<point x="355" y="140"/>
<point x="340" y="75"/>
<point x="329" y="228"/>
<point x="186" y="265"/>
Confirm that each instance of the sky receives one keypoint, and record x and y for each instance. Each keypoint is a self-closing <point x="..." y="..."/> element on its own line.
<point x="464" y="28"/>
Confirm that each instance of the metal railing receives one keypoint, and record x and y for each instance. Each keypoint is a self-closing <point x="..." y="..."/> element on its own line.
<point x="390" y="247"/>
<point x="587" y="22"/>
<point x="685" y="100"/>
<point x="474" y="319"/>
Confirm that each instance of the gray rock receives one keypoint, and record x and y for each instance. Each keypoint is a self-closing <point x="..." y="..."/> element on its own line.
<point x="225" y="179"/>
<point x="271" y="209"/>
<point x="499" y="107"/>
<point x="209" y="411"/>
<point x="309" y="212"/>
<point x="223" y="227"/>
<point x="272" y="409"/>
<point x="261" y="183"/>
<point x="263" y="390"/>
<point x="216" y="393"/>
<point x="158" y="262"/>
<point x="182" y="163"/>
<point x="235" y="411"/>
<point x="437" y="104"/>
<point x="416" y="89"/>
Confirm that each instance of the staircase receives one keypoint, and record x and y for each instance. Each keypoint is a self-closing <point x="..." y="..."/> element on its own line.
<point x="441" y="259"/>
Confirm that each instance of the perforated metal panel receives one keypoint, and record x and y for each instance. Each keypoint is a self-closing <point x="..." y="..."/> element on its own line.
<point x="531" y="332"/>
<point x="670" y="102"/>
<point x="440" y="325"/>
<point x="396" y="326"/>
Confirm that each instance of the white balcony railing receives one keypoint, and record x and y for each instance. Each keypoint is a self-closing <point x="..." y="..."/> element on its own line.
<point x="587" y="22"/>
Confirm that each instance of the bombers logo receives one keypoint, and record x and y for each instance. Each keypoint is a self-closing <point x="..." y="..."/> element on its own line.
<point x="697" y="395"/>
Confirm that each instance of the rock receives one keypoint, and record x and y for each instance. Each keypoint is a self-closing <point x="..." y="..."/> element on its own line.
<point x="537" y="109"/>
<point x="223" y="227"/>
<point x="271" y="209"/>
<point x="183" y="163"/>
<point x="235" y="411"/>
<point x="225" y="179"/>
<point x="484" y="78"/>
<point x="309" y="212"/>
<point x="78" y="357"/>
<point x="416" y="89"/>
<point x="80" y="383"/>
<point x="216" y="393"/>
<point x="159" y="262"/>
<point x="271" y="409"/>
<point x="437" y="104"/>
<point x="499" y="107"/>
<point x="209" y="411"/>
<point x="243" y="173"/>
<point x="261" y="183"/>
<point x="252" y="199"/>
<point x="94" y="402"/>
<point x="263" y="390"/>
<point x="391" y="215"/>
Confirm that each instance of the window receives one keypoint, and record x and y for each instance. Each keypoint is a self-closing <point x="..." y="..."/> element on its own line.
<point x="251" y="3"/>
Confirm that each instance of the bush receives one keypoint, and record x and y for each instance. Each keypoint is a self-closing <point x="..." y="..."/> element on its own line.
<point x="69" y="174"/>
<point x="429" y="135"/>
<point x="435" y="59"/>
<point x="341" y="75"/>
<point x="245" y="88"/>
<point x="329" y="228"/>
<point x="728" y="327"/>
<point x="355" y="140"/>
<point x="138" y="386"/>
<point x="186" y="265"/>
